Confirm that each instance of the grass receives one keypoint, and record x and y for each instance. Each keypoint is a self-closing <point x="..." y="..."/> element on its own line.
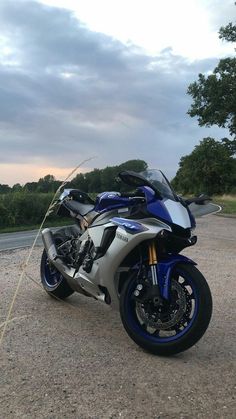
<point x="227" y="202"/>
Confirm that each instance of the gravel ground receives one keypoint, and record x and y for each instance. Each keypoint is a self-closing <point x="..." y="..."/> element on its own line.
<point x="76" y="361"/>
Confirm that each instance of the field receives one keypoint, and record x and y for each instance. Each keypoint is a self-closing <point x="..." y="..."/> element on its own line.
<point x="227" y="202"/>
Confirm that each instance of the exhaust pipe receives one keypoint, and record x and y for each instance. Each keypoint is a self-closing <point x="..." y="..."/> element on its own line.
<point x="49" y="244"/>
<point x="51" y="249"/>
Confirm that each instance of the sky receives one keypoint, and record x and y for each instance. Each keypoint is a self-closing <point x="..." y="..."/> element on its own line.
<point x="104" y="79"/>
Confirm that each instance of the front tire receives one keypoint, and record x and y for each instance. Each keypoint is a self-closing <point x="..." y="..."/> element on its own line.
<point x="191" y="306"/>
<point x="52" y="280"/>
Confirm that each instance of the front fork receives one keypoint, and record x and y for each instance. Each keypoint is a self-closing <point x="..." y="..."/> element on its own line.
<point x="155" y="291"/>
<point x="152" y="259"/>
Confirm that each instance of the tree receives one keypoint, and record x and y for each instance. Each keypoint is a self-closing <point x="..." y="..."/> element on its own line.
<point x="228" y="32"/>
<point x="5" y="189"/>
<point x="17" y="187"/>
<point x="31" y="186"/>
<point x="136" y="165"/>
<point x="214" y="96"/>
<point x="93" y="180"/>
<point x="210" y="168"/>
<point x="4" y="214"/>
<point x="108" y="178"/>
<point x="79" y="182"/>
<point x="48" y="184"/>
<point x="99" y="180"/>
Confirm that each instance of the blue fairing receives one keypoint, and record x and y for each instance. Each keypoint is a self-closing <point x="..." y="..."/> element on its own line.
<point x="164" y="271"/>
<point x="169" y="210"/>
<point x="156" y="206"/>
<point x="158" y="209"/>
<point x="130" y="226"/>
<point x="110" y="200"/>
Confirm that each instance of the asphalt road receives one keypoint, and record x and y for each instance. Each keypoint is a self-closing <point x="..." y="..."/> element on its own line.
<point x="17" y="240"/>
<point x="21" y="239"/>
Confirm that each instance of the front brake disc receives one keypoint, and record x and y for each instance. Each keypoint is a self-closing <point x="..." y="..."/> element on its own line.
<point x="172" y="314"/>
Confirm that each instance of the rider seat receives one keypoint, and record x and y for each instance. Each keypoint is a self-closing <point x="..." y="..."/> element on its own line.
<point x="78" y="208"/>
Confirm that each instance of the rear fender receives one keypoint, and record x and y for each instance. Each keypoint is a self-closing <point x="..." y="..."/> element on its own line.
<point x="165" y="269"/>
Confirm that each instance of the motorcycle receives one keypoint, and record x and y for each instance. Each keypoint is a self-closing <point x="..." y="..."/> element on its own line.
<point x="124" y="250"/>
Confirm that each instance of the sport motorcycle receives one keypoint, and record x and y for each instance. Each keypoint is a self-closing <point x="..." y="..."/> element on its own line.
<point x="124" y="250"/>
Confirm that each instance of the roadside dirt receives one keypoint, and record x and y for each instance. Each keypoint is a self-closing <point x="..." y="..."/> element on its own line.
<point x="76" y="361"/>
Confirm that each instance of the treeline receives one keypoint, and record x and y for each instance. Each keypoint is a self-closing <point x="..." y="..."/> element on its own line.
<point x="26" y="205"/>
<point x="97" y="180"/>
<point x="100" y="180"/>
<point x="210" y="168"/>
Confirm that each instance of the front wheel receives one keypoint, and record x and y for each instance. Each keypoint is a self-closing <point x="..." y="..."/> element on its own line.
<point x="175" y="325"/>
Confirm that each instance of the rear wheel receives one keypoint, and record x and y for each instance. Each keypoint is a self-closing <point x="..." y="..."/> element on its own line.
<point x="172" y="326"/>
<point x="52" y="280"/>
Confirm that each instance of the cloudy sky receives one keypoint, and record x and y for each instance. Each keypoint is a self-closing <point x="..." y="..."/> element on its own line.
<point x="103" y="78"/>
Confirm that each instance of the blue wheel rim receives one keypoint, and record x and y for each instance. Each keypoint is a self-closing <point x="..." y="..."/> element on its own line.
<point x="135" y="325"/>
<point x="52" y="277"/>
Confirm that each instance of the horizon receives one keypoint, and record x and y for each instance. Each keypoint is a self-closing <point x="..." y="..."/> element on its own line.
<point x="80" y="170"/>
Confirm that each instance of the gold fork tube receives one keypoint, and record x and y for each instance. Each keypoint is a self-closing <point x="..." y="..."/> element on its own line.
<point x="152" y="254"/>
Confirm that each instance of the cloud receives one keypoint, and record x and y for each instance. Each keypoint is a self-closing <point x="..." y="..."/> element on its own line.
<point x="220" y="12"/>
<point x="68" y="93"/>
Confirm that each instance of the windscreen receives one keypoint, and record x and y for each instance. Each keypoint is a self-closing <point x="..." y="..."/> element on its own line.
<point x="159" y="181"/>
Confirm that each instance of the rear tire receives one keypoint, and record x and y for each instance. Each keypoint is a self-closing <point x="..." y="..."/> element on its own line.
<point x="52" y="280"/>
<point x="190" y="331"/>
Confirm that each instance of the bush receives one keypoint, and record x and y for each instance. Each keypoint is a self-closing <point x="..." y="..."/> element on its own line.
<point x="22" y="208"/>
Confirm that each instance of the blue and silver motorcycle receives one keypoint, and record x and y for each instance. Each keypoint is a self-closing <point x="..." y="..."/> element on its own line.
<point x="124" y="249"/>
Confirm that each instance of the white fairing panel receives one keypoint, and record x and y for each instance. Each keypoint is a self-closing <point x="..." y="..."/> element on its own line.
<point x="178" y="213"/>
<point x="104" y="269"/>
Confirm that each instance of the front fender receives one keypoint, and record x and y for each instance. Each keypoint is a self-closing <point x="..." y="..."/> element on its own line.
<point x="164" y="272"/>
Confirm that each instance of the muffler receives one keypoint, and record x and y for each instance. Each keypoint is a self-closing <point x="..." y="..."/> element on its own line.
<point x="52" y="252"/>
<point x="49" y="244"/>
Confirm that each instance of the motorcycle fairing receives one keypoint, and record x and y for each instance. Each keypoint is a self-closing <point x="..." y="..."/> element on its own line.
<point x="105" y="270"/>
<point x="110" y="200"/>
<point x="170" y="210"/>
<point x="178" y="213"/>
<point x="165" y="269"/>
<point x="132" y="227"/>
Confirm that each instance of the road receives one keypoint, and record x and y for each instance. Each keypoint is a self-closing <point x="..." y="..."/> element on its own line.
<point x="17" y="240"/>
<point x="10" y="241"/>
<point x="21" y="239"/>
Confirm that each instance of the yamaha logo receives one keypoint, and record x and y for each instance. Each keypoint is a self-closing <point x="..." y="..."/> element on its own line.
<point x="122" y="237"/>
